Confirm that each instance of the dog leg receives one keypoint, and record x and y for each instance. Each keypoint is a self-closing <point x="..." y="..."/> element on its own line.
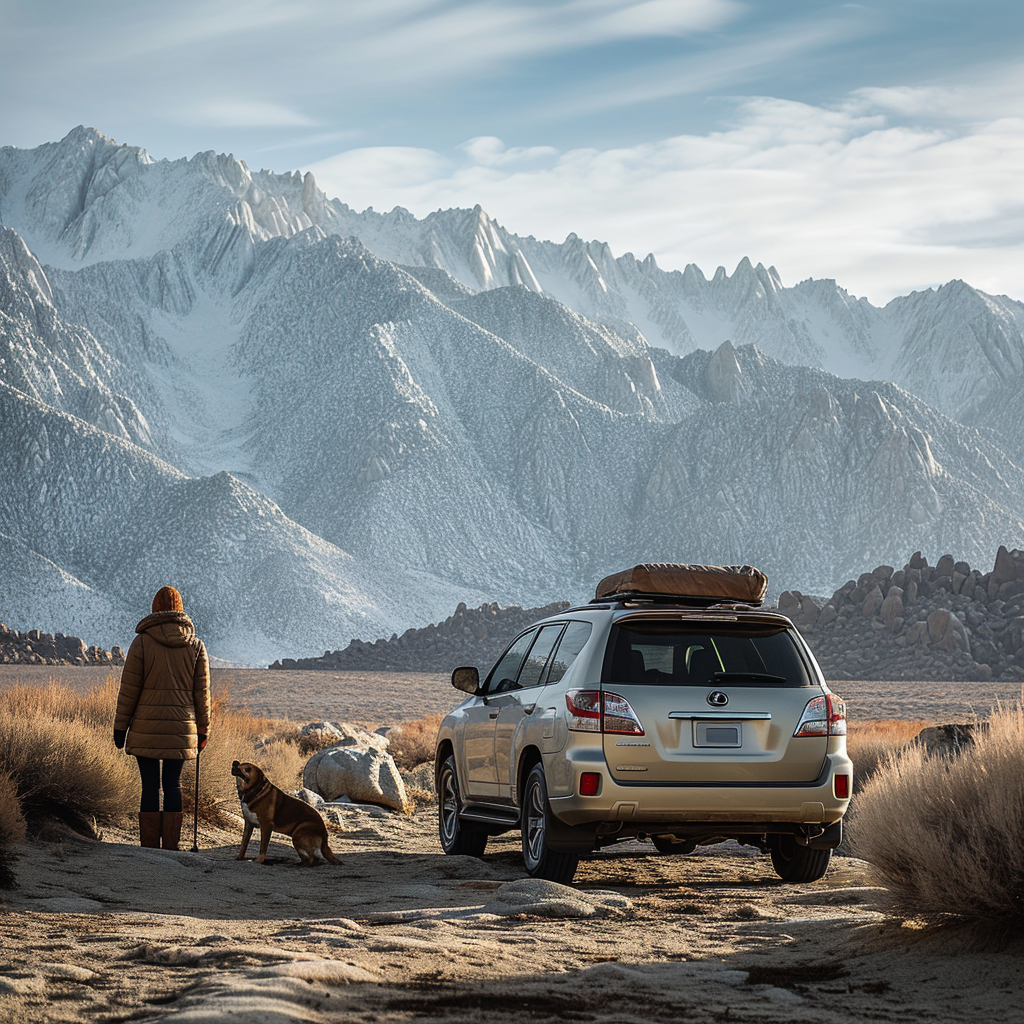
<point x="246" y="836"/>
<point x="264" y="843"/>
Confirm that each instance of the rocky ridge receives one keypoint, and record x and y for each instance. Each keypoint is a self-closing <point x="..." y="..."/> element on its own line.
<point x="38" y="648"/>
<point x="946" y="621"/>
<point x="471" y="636"/>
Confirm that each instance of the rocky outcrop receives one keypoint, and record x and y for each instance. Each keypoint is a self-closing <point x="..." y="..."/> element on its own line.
<point x="38" y="648"/>
<point x="946" y="621"/>
<point x="358" y="768"/>
<point x="472" y="636"/>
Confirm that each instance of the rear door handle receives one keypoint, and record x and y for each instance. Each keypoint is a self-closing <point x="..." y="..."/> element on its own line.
<point x="493" y="714"/>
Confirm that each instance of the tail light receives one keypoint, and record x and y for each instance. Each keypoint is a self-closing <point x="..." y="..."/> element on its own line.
<point x="594" y="711"/>
<point x="823" y="716"/>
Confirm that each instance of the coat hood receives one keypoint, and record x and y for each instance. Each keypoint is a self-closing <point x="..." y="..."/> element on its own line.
<point x="172" y="629"/>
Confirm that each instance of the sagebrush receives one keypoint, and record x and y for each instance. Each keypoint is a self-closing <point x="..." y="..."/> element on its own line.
<point x="12" y="828"/>
<point x="946" y="833"/>
<point x="871" y="742"/>
<point x="57" y="746"/>
<point x="412" y="743"/>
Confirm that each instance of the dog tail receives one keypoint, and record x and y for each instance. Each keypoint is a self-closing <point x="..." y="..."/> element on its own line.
<point x="326" y="851"/>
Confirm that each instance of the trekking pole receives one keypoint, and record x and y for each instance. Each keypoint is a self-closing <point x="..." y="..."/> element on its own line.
<point x="195" y="809"/>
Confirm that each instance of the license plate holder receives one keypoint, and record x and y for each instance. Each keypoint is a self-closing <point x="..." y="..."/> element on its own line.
<point x="718" y="734"/>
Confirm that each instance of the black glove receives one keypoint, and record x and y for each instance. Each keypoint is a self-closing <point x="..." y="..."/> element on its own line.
<point x="202" y="740"/>
<point x="119" y="737"/>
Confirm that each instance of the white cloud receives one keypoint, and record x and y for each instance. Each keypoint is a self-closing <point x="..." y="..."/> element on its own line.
<point x="488" y="151"/>
<point x="226" y="112"/>
<point x="883" y="208"/>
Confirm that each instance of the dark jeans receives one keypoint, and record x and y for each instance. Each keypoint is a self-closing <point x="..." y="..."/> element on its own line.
<point x="149" y="769"/>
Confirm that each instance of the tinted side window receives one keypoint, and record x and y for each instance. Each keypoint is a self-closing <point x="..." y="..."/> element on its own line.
<point x="573" y="639"/>
<point x="537" y="659"/>
<point x="503" y="675"/>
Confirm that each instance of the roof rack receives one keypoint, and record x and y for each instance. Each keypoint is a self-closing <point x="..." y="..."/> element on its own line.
<point x="690" y="600"/>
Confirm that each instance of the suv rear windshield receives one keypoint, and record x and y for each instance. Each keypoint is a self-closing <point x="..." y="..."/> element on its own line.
<point x="661" y="653"/>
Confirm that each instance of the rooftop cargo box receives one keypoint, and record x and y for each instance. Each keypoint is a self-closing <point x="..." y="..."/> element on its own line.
<point x="718" y="582"/>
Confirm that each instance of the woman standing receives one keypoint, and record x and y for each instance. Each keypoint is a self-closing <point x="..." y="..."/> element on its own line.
<point x="163" y="708"/>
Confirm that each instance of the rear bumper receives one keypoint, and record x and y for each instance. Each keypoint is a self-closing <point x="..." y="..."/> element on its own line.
<point x="665" y="804"/>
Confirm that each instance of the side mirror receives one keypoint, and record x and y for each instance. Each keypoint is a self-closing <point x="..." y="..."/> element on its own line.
<point x="466" y="679"/>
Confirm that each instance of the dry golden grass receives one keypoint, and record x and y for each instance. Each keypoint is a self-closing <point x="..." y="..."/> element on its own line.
<point x="412" y="743"/>
<point x="869" y="743"/>
<point x="60" y="702"/>
<point x="947" y="834"/>
<point x="57" y="745"/>
<point x="12" y="828"/>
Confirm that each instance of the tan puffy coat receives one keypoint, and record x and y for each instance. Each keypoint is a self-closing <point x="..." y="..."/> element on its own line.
<point x="164" y="699"/>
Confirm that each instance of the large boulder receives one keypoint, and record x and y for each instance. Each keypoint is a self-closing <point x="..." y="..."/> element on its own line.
<point x="365" y="776"/>
<point x="949" y="740"/>
<point x="1009" y="568"/>
<point x="316" y="735"/>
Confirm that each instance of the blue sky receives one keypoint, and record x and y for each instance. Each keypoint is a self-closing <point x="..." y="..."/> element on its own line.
<point x="878" y="143"/>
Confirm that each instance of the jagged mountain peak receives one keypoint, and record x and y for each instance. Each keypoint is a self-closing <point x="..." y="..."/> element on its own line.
<point x="383" y="415"/>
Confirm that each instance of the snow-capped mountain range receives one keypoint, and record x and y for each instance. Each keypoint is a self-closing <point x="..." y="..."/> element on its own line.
<point x="324" y="424"/>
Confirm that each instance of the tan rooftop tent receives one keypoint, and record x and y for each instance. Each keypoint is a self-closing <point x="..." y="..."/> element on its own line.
<point x="720" y="582"/>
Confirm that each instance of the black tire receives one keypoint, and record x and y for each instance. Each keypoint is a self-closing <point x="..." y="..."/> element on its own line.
<point x="796" y="863"/>
<point x="540" y="860"/>
<point x="672" y="846"/>
<point x="456" y="837"/>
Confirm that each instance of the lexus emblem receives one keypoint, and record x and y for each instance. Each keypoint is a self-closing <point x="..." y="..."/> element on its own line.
<point x="717" y="699"/>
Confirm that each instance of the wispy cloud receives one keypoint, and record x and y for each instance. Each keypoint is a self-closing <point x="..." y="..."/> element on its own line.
<point x="244" y="112"/>
<point x="882" y="207"/>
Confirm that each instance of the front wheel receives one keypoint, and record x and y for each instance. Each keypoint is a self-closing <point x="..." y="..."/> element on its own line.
<point x="541" y="861"/>
<point x="455" y="837"/>
<point x="796" y="863"/>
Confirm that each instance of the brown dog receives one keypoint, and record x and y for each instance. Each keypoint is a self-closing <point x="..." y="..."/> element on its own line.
<point x="265" y="805"/>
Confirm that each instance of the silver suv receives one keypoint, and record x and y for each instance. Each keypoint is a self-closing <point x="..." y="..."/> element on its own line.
<point x="678" y="718"/>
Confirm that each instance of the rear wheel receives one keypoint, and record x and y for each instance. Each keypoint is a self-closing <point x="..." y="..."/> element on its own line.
<point x="456" y="837"/>
<point x="541" y="861"/>
<point x="796" y="863"/>
<point x="672" y="845"/>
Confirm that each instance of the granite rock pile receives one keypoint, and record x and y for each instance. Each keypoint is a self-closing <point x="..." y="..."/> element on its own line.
<point x="946" y="621"/>
<point x="38" y="648"/>
<point x="472" y="636"/>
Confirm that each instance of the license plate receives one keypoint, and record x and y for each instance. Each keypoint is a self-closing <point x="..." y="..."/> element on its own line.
<point x="717" y="734"/>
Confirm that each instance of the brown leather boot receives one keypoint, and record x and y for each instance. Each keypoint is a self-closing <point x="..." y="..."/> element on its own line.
<point x="170" y="832"/>
<point x="149" y="829"/>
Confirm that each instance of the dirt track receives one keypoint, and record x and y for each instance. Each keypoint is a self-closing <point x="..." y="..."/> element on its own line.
<point x="399" y="932"/>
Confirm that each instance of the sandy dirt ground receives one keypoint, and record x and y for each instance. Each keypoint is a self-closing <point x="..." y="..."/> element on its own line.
<point x="107" y="931"/>
<point x="396" y="697"/>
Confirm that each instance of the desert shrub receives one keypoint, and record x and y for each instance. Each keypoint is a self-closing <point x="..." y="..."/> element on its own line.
<point x="12" y="828"/>
<point x="946" y="834"/>
<point x="412" y="743"/>
<point x="66" y="770"/>
<point x="871" y="742"/>
<point x="57" y="745"/>
<point x="62" y="703"/>
<point x="237" y="735"/>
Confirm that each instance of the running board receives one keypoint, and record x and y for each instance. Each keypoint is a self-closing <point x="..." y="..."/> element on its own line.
<point x="501" y="818"/>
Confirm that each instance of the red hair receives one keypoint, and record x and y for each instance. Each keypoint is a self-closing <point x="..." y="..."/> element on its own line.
<point x="167" y="600"/>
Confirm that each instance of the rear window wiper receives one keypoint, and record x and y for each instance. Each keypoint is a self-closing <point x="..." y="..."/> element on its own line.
<point x="732" y="677"/>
